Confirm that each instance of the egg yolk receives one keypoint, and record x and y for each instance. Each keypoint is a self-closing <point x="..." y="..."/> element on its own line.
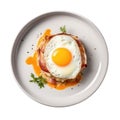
<point x="61" y="56"/>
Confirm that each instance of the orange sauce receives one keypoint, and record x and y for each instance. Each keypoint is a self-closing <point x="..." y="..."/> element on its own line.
<point x="46" y="33"/>
<point x="33" y="60"/>
<point x="61" y="86"/>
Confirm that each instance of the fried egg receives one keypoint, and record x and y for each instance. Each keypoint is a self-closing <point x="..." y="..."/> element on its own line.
<point x="63" y="57"/>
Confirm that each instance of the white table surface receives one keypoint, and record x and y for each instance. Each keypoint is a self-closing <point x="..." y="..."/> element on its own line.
<point x="103" y="104"/>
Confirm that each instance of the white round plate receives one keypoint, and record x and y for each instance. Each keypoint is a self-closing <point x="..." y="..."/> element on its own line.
<point x="97" y="55"/>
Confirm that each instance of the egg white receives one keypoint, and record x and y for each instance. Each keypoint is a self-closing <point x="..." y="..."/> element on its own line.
<point x="73" y="68"/>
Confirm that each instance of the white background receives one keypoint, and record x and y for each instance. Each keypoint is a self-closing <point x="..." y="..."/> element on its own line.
<point x="103" y="104"/>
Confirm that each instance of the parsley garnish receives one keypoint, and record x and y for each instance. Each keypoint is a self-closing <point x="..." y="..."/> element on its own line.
<point x="63" y="29"/>
<point x="39" y="80"/>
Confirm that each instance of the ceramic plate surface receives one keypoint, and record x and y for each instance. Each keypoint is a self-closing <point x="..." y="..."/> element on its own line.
<point x="96" y="49"/>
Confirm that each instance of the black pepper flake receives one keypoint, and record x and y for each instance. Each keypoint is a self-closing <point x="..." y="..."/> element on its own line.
<point x="27" y="51"/>
<point x="32" y="48"/>
<point x="40" y="33"/>
<point x="94" y="48"/>
<point x="32" y="45"/>
<point x="71" y="88"/>
<point x="78" y="85"/>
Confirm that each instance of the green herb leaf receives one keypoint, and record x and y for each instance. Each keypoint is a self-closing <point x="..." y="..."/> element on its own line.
<point x="32" y="75"/>
<point x="63" y="29"/>
<point x="39" y="80"/>
<point x="31" y="81"/>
